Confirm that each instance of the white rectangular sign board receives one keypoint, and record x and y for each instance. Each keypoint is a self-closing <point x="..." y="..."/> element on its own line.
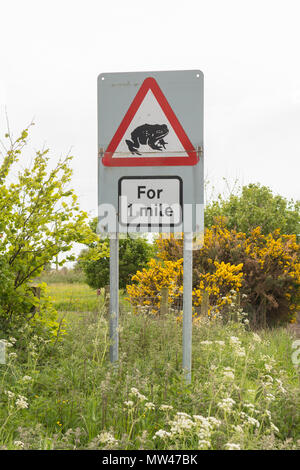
<point x="155" y="201"/>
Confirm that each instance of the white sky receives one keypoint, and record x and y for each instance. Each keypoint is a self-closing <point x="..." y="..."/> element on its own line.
<point x="51" y="53"/>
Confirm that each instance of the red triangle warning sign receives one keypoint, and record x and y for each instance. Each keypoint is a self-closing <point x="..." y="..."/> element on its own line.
<point x="150" y="133"/>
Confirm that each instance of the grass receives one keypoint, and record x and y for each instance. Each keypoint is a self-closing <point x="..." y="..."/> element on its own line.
<point x="244" y="392"/>
<point x="75" y="297"/>
<point x="64" y="275"/>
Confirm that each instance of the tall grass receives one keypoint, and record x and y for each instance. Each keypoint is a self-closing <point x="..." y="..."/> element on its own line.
<point x="244" y="392"/>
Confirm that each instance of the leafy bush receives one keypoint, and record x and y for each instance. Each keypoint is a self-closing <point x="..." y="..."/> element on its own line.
<point x="255" y="206"/>
<point x="40" y="218"/>
<point x="134" y="253"/>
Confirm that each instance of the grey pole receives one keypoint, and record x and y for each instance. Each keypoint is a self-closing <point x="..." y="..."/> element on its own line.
<point x="114" y="298"/>
<point x="187" y="305"/>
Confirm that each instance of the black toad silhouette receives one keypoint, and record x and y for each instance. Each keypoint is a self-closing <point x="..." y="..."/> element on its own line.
<point x="151" y="134"/>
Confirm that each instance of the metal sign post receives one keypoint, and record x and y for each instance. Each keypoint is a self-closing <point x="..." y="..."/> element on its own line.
<point x="187" y="305"/>
<point x="114" y="298"/>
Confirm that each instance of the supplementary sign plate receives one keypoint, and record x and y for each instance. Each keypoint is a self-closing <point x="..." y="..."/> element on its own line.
<point x="150" y="201"/>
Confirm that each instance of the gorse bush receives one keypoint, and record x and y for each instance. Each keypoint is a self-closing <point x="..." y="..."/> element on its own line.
<point x="264" y="269"/>
<point x="147" y="284"/>
<point x="217" y="286"/>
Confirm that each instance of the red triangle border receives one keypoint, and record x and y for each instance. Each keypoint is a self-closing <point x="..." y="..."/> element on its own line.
<point x="150" y="84"/>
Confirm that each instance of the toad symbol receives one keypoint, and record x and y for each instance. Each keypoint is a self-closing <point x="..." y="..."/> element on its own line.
<point x="151" y="134"/>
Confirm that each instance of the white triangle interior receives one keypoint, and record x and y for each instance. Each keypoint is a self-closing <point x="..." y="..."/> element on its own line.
<point x="151" y="113"/>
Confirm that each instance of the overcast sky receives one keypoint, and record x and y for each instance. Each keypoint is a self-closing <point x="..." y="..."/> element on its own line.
<point x="51" y="53"/>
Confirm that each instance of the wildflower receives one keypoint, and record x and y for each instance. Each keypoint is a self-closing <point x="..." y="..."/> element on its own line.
<point x="182" y="414"/>
<point x="234" y="340"/>
<point x="27" y="378"/>
<point x="129" y="403"/>
<point x="134" y="391"/>
<point x="280" y="386"/>
<point x="232" y="446"/>
<point x="270" y="397"/>
<point x="9" y="394"/>
<point x="268" y="367"/>
<point x="181" y="423"/>
<point x="273" y="427"/>
<point x="240" y="352"/>
<point x="203" y="444"/>
<point x="256" y="338"/>
<point x="253" y="421"/>
<point x="228" y="373"/>
<point x="220" y="343"/>
<point x="19" y="444"/>
<point x="166" y="407"/>
<point x="250" y="406"/>
<point x="107" y="438"/>
<point x="12" y="355"/>
<point x="203" y="421"/>
<point x="162" y="434"/>
<point x="206" y="343"/>
<point x="226" y="404"/>
<point x="150" y="406"/>
<point x="214" y="421"/>
<point x="238" y="428"/>
<point x="21" y="402"/>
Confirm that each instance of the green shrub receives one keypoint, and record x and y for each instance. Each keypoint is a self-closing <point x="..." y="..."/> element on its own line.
<point x="255" y="206"/>
<point x="134" y="253"/>
<point x="40" y="218"/>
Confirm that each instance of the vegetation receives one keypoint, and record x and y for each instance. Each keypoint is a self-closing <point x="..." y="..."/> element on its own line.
<point x="57" y="387"/>
<point x="255" y="205"/>
<point x="74" y="297"/>
<point x="65" y="275"/>
<point x="244" y="393"/>
<point x="263" y="270"/>
<point x="40" y="218"/>
<point x="134" y="253"/>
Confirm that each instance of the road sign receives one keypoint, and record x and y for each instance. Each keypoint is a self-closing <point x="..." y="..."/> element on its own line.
<point x="150" y="134"/>
<point x="150" y="125"/>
